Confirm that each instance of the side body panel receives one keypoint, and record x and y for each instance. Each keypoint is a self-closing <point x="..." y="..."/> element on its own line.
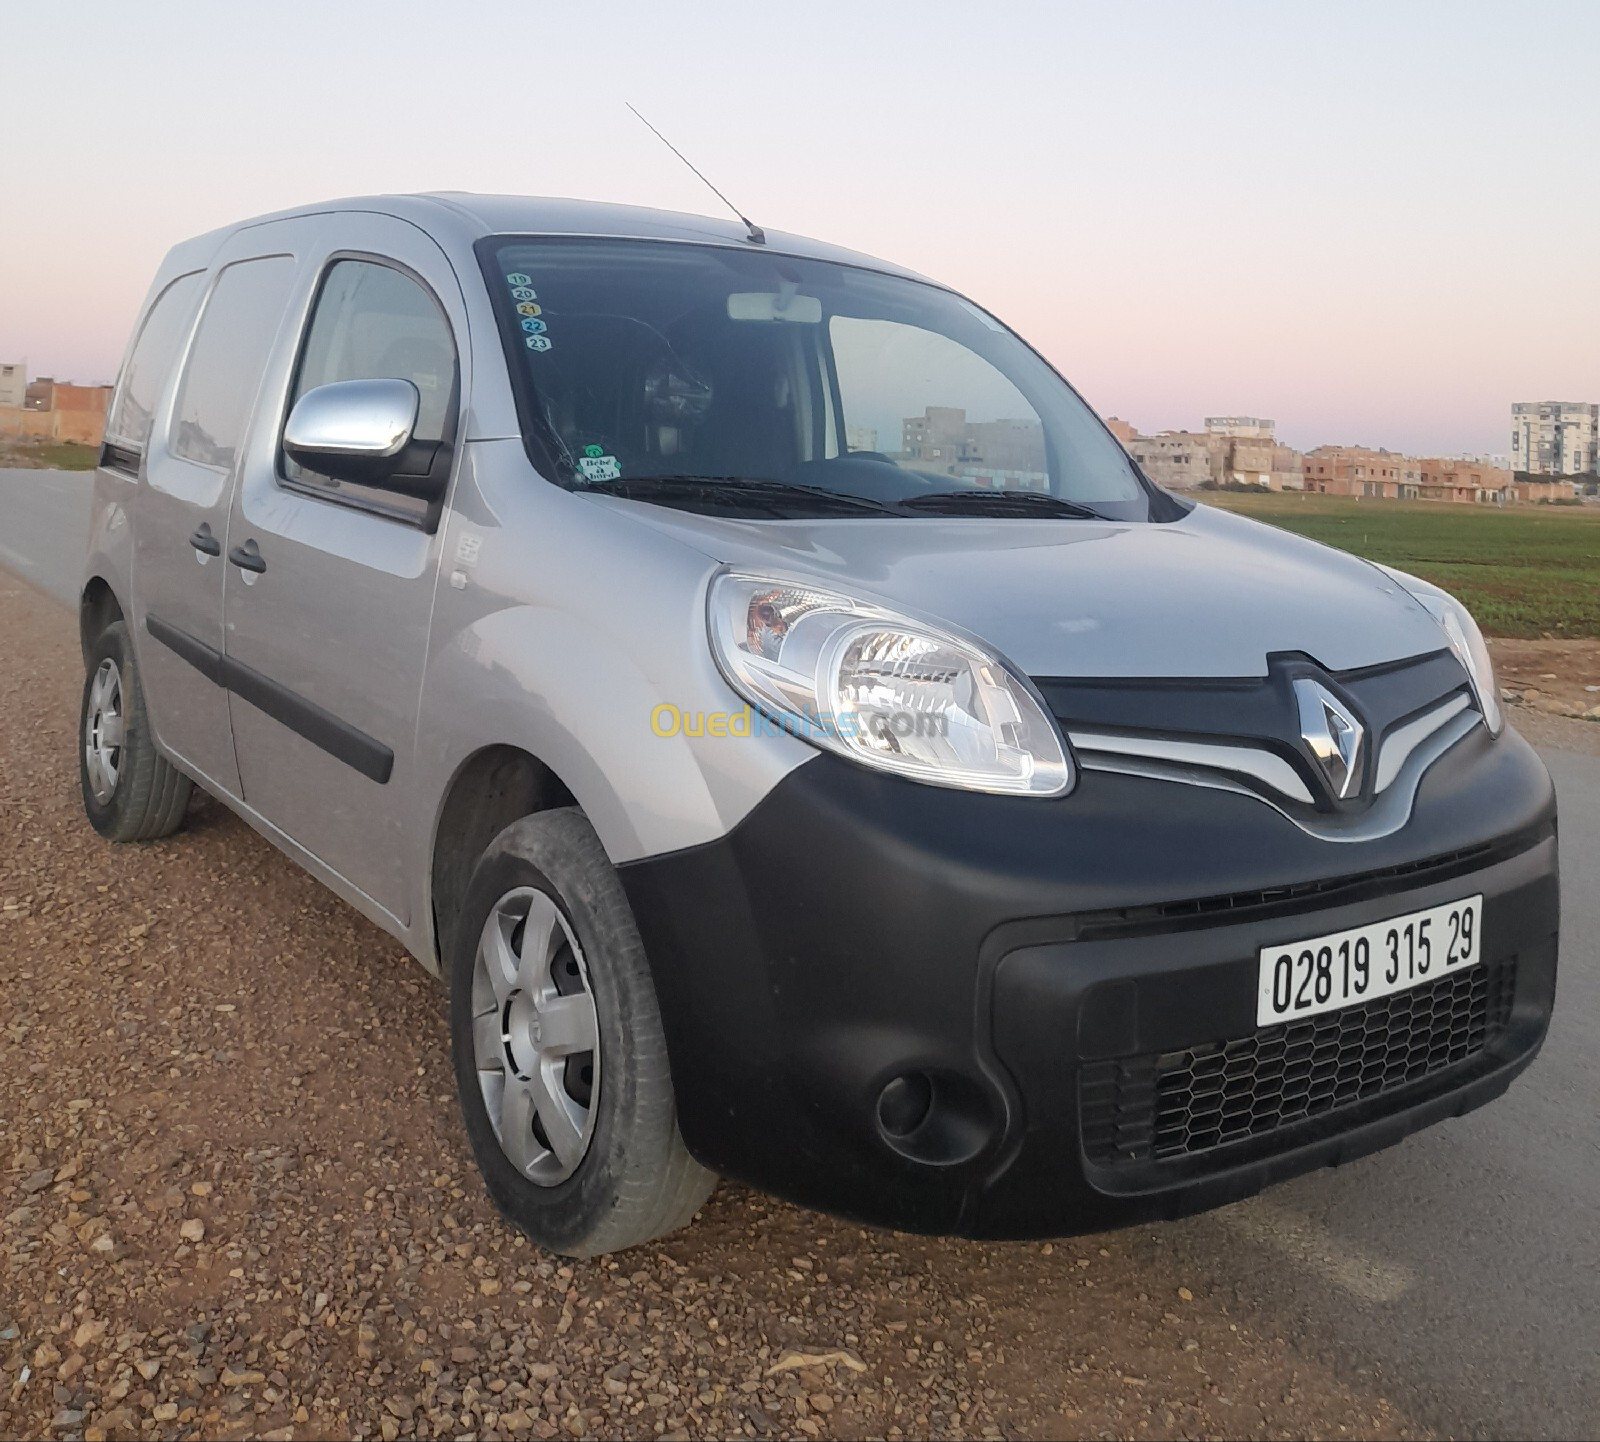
<point x="177" y="585"/>
<point x="560" y="626"/>
<point x="339" y="618"/>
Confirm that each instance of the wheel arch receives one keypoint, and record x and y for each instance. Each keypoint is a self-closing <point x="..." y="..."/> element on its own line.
<point x="490" y="789"/>
<point x="98" y="607"/>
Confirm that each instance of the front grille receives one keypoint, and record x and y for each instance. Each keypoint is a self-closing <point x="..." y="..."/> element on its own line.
<point x="1238" y="906"/>
<point x="1146" y="1108"/>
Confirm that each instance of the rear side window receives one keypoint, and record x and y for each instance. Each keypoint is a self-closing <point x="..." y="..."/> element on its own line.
<point x="227" y="358"/>
<point x="375" y="322"/>
<point x="160" y="338"/>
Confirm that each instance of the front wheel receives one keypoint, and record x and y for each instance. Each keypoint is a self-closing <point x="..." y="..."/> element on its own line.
<point x="131" y="792"/>
<point x="560" y="1058"/>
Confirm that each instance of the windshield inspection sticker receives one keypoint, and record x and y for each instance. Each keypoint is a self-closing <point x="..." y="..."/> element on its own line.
<point x="595" y="465"/>
<point x="525" y="295"/>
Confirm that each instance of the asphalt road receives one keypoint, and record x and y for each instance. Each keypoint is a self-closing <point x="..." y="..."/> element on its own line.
<point x="44" y="528"/>
<point x="1457" y="1274"/>
<point x="1463" y="1264"/>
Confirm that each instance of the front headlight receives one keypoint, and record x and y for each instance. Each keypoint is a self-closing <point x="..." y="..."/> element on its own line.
<point x="1465" y="639"/>
<point x="883" y="689"/>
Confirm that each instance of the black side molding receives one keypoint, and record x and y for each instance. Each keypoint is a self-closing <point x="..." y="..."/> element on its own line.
<point x="205" y="659"/>
<point x="321" y="728"/>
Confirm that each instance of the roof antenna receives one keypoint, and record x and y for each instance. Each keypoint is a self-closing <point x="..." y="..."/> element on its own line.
<point x="757" y="236"/>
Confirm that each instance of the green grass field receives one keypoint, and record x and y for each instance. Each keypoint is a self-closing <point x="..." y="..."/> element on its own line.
<point x="1522" y="571"/>
<point x="50" y="455"/>
<point x="68" y="456"/>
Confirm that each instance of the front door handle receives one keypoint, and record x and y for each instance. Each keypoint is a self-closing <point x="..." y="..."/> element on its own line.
<point x="248" y="557"/>
<point x="204" y="542"/>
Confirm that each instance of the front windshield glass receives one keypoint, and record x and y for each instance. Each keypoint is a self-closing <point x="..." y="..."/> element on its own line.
<point x="730" y="379"/>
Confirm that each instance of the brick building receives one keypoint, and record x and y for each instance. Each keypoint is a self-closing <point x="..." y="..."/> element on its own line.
<point x="1362" y="471"/>
<point x="55" y="410"/>
<point x="1454" y="479"/>
<point x="1232" y="450"/>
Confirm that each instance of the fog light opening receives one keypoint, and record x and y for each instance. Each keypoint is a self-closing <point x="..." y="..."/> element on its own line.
<point x="904" y="1104"/>
<point x="940" y="1118"/>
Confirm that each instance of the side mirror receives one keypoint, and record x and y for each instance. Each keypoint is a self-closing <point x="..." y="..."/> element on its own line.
<point x="356" y="431"/>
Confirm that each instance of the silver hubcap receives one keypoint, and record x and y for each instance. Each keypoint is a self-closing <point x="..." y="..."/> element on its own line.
<point x="534" y="1036"/>
<point x="102" y="731"/>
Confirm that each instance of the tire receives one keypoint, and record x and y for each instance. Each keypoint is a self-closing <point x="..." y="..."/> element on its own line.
<point x="130" y="791"/>
<point x="579" y="1148"/>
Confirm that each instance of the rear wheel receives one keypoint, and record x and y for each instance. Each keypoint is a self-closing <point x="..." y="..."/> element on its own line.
<point x="560" y="1059"/>
<point x="130" y="791"/>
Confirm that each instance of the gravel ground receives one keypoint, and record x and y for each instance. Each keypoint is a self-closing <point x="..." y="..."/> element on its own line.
<point x="1564" y="733"/>
<point x="237" y="1202"/>
<point x="1555" y="677"/>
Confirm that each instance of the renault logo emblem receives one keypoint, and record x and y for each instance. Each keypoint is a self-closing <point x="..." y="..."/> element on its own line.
<point x="1333" y="735"/>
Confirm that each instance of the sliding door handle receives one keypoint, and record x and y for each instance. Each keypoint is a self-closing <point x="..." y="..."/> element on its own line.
<point x="248" y="557"/>
<point x="204" y="542"/>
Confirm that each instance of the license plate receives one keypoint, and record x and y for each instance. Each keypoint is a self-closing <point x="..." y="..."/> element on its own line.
<point x="1344" y="968"/>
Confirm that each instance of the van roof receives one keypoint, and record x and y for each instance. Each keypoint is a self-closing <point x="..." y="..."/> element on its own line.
<point x="464" y="217"/>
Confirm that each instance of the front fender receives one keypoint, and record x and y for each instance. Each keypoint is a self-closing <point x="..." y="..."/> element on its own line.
<point x="548" y="683"/>
<point x="553" y="684"/>
<point x="559" y="626"/>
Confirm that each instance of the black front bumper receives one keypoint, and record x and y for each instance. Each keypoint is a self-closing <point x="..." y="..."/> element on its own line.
<point x="1046" y="963"/>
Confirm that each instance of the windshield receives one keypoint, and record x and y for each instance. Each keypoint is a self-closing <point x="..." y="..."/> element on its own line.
<point x="727" y="379"/>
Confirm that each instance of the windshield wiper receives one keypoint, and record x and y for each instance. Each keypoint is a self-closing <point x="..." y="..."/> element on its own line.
<point x="982" y="502"/>
<point x="735" y="489"/>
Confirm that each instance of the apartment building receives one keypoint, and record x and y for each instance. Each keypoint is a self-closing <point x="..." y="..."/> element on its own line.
<point x="13" y="384"/>
<point x="1245" y="427"/>
<point x="936" y="437"/>
<point x="1555" y="438"/>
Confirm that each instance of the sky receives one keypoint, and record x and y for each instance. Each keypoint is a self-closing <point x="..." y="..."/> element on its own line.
<point x="1376" y="223"/>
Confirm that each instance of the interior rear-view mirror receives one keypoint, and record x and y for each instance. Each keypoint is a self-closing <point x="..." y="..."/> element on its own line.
<point x="779" y="305"/>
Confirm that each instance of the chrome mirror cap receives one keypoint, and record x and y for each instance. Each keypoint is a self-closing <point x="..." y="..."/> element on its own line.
<point x="367" y="420"/>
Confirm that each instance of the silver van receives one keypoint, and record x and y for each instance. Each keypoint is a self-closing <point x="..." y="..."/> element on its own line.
<point x="808" y="748"/>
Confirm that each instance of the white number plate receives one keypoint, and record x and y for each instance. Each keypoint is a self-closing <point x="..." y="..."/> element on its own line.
<point x="1303" y="978"/>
